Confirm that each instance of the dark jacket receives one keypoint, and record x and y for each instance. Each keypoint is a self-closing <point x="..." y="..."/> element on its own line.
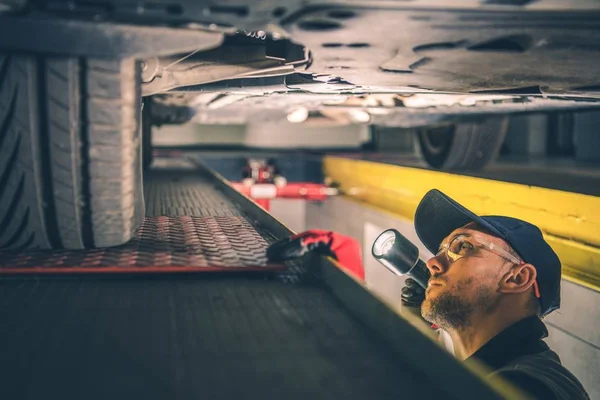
<point x="519" y="355"/>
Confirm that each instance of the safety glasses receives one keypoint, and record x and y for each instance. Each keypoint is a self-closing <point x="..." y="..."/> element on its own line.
<point x="465" y="245"/>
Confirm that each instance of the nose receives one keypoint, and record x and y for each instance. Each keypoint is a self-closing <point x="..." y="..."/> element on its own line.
<point x="436" y="265"/>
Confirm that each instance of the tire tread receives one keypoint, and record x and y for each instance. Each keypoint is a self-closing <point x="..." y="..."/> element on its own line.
<point x="57" y="188"/>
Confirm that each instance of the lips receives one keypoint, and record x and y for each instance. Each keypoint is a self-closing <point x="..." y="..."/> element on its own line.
<point x="434" y="283"/>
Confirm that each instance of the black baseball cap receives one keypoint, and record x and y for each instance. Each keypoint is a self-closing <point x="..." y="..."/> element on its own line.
<point x="438" y="215"/>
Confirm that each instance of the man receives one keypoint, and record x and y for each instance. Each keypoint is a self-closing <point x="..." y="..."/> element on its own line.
<point x="492" y="279"/>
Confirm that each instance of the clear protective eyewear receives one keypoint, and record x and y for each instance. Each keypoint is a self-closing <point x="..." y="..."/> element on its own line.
<point x="464" y="245"/>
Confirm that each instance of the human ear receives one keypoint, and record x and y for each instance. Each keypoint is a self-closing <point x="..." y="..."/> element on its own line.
<point x="518" y="279"/>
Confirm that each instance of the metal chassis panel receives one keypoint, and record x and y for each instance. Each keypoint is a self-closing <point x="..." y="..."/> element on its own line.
<point x="47" y="35"/>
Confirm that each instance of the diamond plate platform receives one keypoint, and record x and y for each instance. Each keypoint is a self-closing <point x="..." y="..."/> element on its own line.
<point x="190" y="226"/>
<point x="163" y="244"/>
<point x="181" y="192"/>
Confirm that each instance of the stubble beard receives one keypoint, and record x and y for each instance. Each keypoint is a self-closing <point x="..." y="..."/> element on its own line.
<point x="451" y="311"/>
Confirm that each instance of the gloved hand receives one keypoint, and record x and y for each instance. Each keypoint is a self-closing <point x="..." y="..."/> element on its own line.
<point x="413" y="294"/>
<point x="343" y="248"/>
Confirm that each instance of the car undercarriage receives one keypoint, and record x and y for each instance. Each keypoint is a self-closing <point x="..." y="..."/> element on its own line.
<point x="73" y="74"/>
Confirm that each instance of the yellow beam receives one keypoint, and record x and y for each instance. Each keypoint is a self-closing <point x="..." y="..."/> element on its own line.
<point x="570" y="221"/>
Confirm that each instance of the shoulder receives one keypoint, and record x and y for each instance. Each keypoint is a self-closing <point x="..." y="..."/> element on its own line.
<point x="531" y="385"/>
<point x="543" y="376"/>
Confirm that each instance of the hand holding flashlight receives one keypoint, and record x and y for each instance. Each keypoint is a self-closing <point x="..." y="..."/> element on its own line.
<point x="401" y="256"/>
<point x="413" y="294"/>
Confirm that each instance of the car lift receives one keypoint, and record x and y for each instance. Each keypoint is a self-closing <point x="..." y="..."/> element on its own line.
<point x="263" y="182"/>
<point x="263" y="193"/>
<point x="145" y="320"/>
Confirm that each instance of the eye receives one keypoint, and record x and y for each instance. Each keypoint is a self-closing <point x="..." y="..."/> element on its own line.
<point x="465" y="247"/>
<point x="461" y="246"/>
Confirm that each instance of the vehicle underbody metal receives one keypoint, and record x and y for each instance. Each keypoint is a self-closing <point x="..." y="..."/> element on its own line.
<point x="240" y="56"/>
<point x="43" y="34"/>
<point x="544" y="52"/>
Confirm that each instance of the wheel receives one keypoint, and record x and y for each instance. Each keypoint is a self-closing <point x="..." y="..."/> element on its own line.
<point x="147" y="132"/>
<point x="463" y="146"/>
<point x="70" y="153"/>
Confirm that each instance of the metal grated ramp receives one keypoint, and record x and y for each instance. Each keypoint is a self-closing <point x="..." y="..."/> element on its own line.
<point x="181" y="192"/>
<point x="191" y="226"/>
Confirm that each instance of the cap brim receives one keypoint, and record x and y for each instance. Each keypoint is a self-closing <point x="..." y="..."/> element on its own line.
<point x="438" y="215"/>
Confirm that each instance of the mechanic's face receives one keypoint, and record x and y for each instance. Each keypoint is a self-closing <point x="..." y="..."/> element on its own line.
<point x="458" y="289"/>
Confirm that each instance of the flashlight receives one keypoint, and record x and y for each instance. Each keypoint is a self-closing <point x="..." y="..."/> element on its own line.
<point x="400" y="255"/>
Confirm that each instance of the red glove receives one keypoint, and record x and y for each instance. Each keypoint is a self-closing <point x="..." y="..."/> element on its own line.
<point x="344" y="249"/>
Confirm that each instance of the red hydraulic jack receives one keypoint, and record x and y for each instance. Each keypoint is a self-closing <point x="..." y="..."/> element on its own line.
<point x="262" y="183"/>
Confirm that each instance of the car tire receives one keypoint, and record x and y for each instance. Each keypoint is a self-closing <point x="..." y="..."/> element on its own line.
<point x="463" y="146"/>
<point x="70" y="152"/>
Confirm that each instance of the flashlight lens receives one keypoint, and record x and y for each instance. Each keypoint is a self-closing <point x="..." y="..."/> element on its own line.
<point x="384" y="243"/>
<point x="387" y="245"/>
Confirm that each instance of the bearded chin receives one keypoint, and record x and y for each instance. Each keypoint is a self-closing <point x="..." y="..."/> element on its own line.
<point x="452" y="311"/>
